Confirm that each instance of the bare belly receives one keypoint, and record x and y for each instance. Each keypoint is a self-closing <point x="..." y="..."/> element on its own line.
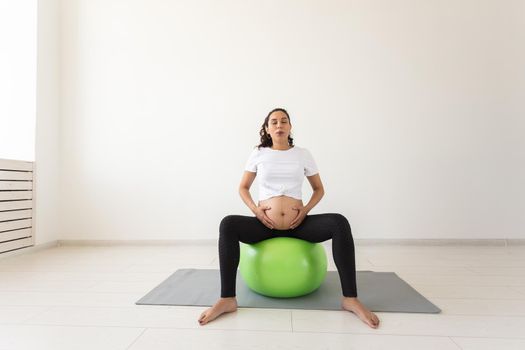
<point x="281" y="211"/>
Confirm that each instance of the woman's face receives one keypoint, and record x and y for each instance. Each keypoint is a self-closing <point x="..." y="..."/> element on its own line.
<point x="279" y="126"/>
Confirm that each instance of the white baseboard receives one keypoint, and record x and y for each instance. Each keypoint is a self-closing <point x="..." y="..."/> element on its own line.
<point x="136" y="242"/>
<point x="213" y="242"/>
<point x="31" y="249"/>
<point x="359" y="242"/>
<point x="435" y="242"/>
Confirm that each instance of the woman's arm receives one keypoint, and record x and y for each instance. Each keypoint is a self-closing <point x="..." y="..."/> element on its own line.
<point x="244" y="190"/>
<point x="317" y="186"/>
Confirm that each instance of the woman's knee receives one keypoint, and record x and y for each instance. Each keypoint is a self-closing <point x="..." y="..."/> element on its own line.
<point x="227" y="223"/>
<point x="339" y="218"/>
<point x="342" y="223"/>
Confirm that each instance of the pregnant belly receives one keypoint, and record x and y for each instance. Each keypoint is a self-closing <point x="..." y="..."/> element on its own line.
<point x="281" y="212"/>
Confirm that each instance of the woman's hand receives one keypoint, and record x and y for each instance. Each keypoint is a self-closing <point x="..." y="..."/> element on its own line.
<point x="260" y="213"/>
<point x="301" y="214"/>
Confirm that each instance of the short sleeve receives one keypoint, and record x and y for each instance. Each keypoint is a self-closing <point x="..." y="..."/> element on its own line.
<point x="251" y="163"/>
<point x="310" y="167"/>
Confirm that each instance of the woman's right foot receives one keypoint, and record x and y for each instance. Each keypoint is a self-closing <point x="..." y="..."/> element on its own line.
<point x="223" y="305"/>
<point x="355" y="306"/>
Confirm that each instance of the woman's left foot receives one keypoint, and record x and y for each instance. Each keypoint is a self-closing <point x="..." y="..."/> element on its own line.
<point x="355" y="306"/>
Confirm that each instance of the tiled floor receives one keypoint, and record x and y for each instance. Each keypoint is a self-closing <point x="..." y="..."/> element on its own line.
<point x="77" y="297"/>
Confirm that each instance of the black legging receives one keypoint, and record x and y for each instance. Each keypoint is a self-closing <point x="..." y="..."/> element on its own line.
<point x="314" y="228"/>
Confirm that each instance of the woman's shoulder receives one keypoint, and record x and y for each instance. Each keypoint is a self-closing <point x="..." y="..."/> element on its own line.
<point x="256" y="151"/>
<point x="304" y="153"/>
<point x="301" y="150"/>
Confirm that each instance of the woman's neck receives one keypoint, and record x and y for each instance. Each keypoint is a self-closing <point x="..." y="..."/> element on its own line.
<point x="281" y="147"/>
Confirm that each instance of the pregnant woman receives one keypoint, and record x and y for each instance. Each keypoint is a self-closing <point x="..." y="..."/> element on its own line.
<point x="281" y="167"/>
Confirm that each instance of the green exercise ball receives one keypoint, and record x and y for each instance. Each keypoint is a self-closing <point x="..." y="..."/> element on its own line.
<point x="283" y="267"/>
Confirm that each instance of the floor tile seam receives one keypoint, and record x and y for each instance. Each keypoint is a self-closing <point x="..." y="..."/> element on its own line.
<point x="499" y="338"/>
<point x="62" y="291"/>
<point x="428" y="296"/>
<point x="87" y="306"/>
<point x="501" y="273"/>
<point x="240" y="307"/>
<point x="438" y="315"/>
<point x="22" y="306"/>
<point x="387" y="334"/>
<point x="455" y="343"/>
<point x="134" y="306"/>
<point x="475" y="299"/>
<point x="450" y="284"/>
<point x="375" y="334"/>
<point x="488" y="299"/>
<point x="481" y="315"/>
<point x="517" y="289"/>
<point x="168" y="308"/>
<point x="267" y="331"/>
<point x="41" y="312"/>
<point x="197" y="328"/>
<point x="116" y="325"/>
<point x="68" y="325"/>
<point x="506" y="287"/>
<point x="369" y="262"/>
<point x="136" y="339"/>
<point x="204" y="329"/>
<point x="212" y="329"/>
<point x="413" y="335"/>
<point x="92" y="285"/>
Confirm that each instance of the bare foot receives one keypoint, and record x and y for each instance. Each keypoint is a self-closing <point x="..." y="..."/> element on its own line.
<point x="355" y="306"/>
<point x="221" y="306"/>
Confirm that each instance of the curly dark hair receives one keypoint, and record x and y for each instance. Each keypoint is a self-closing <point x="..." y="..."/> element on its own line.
<point x="266" y="140"/>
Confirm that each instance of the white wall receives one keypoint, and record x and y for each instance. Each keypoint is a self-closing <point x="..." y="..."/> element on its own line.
<point x="29" y="101"/>
<point x="47" y="151"/>
<point x="412" y="109"/>
<point x="17" y="79"/>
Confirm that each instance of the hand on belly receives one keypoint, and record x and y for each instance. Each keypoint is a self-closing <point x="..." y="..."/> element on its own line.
<point x="282" y="218"/>
<point x="281" y="211"/>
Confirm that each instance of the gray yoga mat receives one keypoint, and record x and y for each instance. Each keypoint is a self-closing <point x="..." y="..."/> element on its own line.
<point x="379" y="291"/>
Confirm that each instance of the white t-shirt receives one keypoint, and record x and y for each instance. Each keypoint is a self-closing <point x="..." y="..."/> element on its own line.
<point x="281" y="172"/>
